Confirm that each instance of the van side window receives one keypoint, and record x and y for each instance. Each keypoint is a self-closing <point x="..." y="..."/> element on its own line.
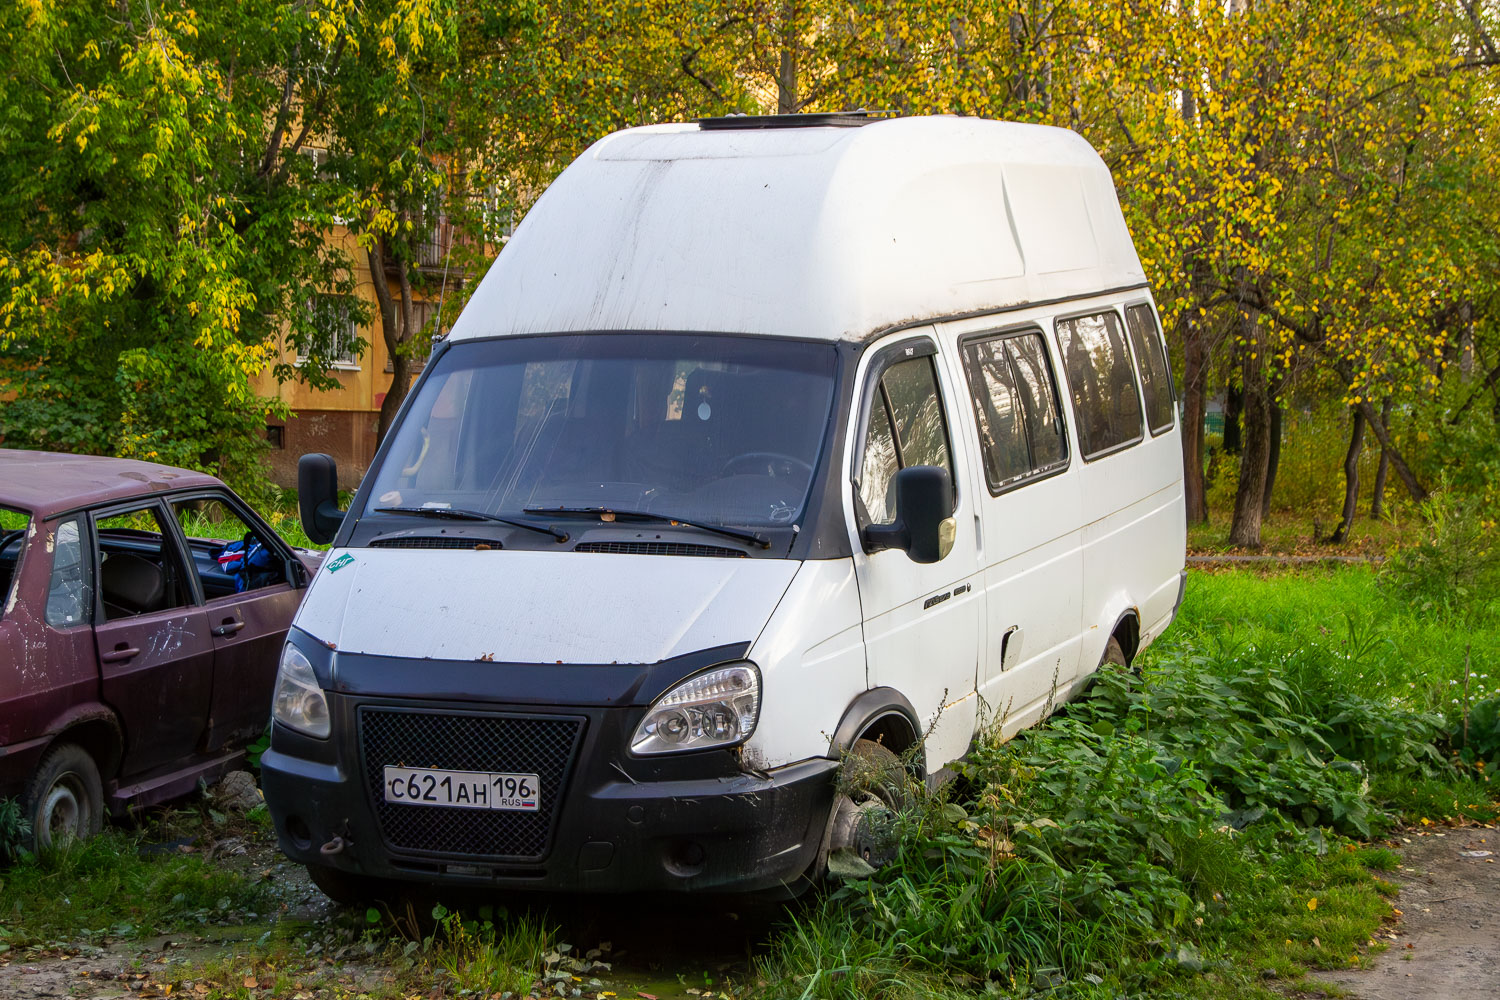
<point x="906" y="427"/>
<point x="1016" y="407"/>
<point x="1151" y="362"/>
<point x="1106" y="405"/>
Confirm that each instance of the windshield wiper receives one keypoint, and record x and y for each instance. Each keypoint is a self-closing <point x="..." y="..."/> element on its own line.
<point x="744" y="536"/>
<point x="460" y="514"/>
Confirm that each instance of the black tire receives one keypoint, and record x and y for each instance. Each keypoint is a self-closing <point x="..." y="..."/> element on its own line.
<point x="346" y="888"/>
<point x="1114" y="654"/>
<point x="65" y="798"/>
<point x="873" y="785"/>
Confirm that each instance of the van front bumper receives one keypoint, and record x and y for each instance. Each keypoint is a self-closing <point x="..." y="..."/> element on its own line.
<point x="693" y="822"/>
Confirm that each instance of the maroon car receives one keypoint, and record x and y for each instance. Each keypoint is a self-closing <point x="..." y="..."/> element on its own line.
<point x="144" y="611"/>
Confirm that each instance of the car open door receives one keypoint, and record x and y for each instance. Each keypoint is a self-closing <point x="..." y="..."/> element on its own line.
<point x="250" y="589"/>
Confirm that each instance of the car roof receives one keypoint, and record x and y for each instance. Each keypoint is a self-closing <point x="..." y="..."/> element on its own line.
<point x="818" y="232"/>
<point x="46" y="482"/>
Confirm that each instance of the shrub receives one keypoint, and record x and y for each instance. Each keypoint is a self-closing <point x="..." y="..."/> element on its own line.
<point x="15" y="831"/>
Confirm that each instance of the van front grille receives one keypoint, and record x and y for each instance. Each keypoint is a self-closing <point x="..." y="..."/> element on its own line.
<point x="544" y="746"/>
<point x="659" y="549"/>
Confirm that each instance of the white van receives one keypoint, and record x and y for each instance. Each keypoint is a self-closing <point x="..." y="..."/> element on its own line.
<point x="764" y="441"/>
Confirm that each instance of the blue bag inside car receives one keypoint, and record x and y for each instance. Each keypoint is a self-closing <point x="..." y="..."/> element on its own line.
<point x="249" y="562"/>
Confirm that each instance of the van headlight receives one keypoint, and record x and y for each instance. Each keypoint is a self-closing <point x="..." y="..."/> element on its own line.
<point x="717" y="708"/>
<point x="299" y="702"/>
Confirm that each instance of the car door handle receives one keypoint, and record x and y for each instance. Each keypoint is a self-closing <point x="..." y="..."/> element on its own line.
<point x="230" y="627"/>
<point x="117" y="655"/>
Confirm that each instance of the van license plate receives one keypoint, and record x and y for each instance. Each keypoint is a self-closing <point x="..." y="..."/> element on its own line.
<point x="426" y="786"/>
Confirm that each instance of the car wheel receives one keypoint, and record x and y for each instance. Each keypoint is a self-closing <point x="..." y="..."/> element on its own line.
<point x="346" y="888"/>
<point x="65" y="798"/>
<point x="873" y="786"/>
<point x="1114" y="654"/>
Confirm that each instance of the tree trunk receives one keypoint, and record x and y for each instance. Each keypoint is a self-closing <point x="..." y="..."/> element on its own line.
<point x="1377" y="503"/>
<point x="1398" y="462"/>
<point x="1194" y="374"/>
<point x="1194" y="406"/>
<point x="1351" y="480"/>
<point x="786" y="71"/>
<point x="395" y="330"/>
<point x="1273" y="460"/>
<point x="1234" y="404"/>
<point x="1255" y="454"/>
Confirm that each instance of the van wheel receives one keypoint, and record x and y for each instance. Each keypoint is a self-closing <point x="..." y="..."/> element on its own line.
<point x="65" y="798"/>
<point x="873" y="786"/>
<point x="346" y="888"/>
<point x="1114" y="653"/>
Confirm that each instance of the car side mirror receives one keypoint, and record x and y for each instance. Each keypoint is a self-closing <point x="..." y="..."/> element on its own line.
<point x="924" y="527"/>
<point x="318" y="497"/>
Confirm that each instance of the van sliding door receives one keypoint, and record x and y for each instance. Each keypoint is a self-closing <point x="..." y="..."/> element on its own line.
<point x="1031" y="517"/>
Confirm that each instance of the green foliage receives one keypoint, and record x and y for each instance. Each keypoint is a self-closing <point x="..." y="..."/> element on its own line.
<point x="1173" y="832"/>
<point x="1453" y="568"/>
<point x="15" y="831"/>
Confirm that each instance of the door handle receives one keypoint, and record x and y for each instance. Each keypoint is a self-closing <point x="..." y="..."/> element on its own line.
<point x="118" y="655"/>
<point x="230" y="627"/>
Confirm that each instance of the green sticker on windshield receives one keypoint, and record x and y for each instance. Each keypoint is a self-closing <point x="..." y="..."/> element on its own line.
<point x="340" y="563"/>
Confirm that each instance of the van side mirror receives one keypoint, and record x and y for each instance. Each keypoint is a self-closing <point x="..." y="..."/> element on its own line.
<point x="318" y="497"/>
<point x="924" y="527"/>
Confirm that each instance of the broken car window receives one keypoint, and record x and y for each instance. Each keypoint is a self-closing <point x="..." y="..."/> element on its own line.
<point x="68" y="602"/>
<point x="139" y="572"/>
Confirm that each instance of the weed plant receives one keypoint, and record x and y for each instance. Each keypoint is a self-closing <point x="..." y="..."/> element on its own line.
<point x="1185" y="830"/>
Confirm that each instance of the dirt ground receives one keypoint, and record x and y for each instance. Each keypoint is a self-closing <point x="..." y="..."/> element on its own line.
<point x="1447" y="943"/>
<point x="657" y="949"/>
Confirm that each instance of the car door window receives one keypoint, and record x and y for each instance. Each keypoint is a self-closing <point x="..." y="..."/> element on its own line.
<point x="906" y="427"/>
<point x="229" y="556"/>
<point x="68" y="602"/>
<point x="139" y="568"/>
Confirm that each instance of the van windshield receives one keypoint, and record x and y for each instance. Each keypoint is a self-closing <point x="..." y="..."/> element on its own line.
<point x="720" y="429"/>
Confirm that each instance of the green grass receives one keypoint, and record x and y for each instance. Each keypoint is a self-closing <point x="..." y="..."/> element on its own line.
<point x="116" y="886"/>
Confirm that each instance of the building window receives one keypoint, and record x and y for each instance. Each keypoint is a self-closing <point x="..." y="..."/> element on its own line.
<point x="335" y="325"/>
<point x="424" y="320"/>
<point x="276" y="436"/>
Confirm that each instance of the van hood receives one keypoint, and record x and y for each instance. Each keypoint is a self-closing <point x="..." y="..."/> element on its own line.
<point x="538" y="607"/>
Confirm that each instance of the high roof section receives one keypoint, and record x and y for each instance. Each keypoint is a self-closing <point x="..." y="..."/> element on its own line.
<point x="822" y="232"/>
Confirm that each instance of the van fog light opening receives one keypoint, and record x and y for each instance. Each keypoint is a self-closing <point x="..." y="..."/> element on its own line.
<point x="716" y="708"/>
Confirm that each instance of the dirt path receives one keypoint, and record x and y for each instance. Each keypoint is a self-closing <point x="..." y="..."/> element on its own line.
<point x="1448" y="942"/>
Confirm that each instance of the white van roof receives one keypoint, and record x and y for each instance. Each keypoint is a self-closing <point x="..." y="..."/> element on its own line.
<point x="817" y="232"/>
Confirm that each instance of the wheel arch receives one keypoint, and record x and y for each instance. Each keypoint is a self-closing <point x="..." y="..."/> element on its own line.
<point x="885" y="716"/>
<point x="1127" y="631"/>
<point x="95" y="729"/>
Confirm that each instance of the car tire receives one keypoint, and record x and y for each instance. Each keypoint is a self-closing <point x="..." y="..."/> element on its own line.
<point x="1114" y="654"/>
<point x="65" y="798"/>
<point x="873" y="785"/>
<point x="347" y="888"/>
